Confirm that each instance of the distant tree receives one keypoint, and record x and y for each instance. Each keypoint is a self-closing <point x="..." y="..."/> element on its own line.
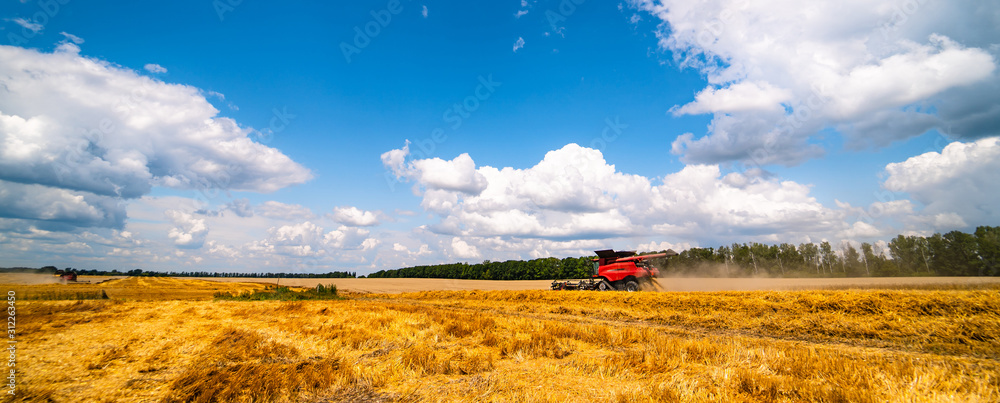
<point x="851" y="261"/>
<point x="788" y="255"/>
<point x="810" y="256"/>
<point x="829" y="258"/>
<point x="955" y="254"/>
<point x="988" y="242"/>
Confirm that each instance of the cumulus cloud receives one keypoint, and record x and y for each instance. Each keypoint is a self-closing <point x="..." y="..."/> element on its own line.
<point x="463" y="250"/>
<point x="188" y="232"/>
<point x="957" y="186"/>
<point x="861" y="229"/>
<point x="79" y="125"/>
<point x="459" y="174"/>
<point x="423" y="11"/>
<point x="345" y="237"/>
<point x="778" y="76"/>
<point x="308" y="240"/>
<point x="738" y="97"/>
<point x="354" y="216"/>
<point x="301" y="240"/>
<point x="663" y="245"/>
<point x="54" y="205"/>
<point x="573" y="193"/>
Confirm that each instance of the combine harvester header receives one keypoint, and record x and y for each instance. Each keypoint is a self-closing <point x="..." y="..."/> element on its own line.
<point x="618" y="270"/>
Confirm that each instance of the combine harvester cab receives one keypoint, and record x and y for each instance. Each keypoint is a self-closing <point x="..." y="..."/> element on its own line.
<point x="618" y="270"/>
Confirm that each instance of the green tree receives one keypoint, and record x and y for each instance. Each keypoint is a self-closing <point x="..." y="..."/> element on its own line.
<point x="829" y="259"/>
<point x="851" y="261"/>
<point x="788" y="256"/>
<point x="988" y="240"/>
<point x="810" y="256"/>
<point x="955" y="254"/>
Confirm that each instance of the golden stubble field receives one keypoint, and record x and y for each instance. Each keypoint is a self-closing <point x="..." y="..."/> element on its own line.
<point x="397" y="285"/>
<point x="166" y="340"/>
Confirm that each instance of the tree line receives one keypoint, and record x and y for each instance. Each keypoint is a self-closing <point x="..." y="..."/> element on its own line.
<point x="538" y="269"/>
<point x="952" y="254"/>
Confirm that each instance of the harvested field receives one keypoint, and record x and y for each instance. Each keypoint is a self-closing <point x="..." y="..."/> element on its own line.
<point x="31" y="278"/>
<point x="157" y="342"/>
<point x="396" y="285"/>
<point x="133" y="288"/>
<point x="399" y="285"/>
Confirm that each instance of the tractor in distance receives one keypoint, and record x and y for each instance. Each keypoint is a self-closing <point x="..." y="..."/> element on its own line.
<point x="618" y="270"/>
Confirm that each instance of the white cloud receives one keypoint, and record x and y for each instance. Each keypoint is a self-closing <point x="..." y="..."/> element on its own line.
<point x="458" y="174"/>
<point x="53" y="205"/>
<point x="345" y="237"/>
<point x="867" y="69"/>
<point x="72" y="38"/>
<point x="738" y="97"/>
<point x="224" y="251"/>
<point x="423" y="11"/>
<point x="370" y="244"/>
<point x="395" y="160"/>
<point x="188" y="231"/>
<point x="154" y="68"/>
<point x="283" y="211"/>
<point x="862" y="230"/>
<point x="957" y="186"/>
<point x="463" y="250"/>
<point x="573" y="193"/>
<point x="894" y="208"/>
<point x="308" y="239"/>
<point x="305" y="233"/>
<point x="518" y="44"/>
<point x="354" y="216"/>
<point x="27" y="24"/>
<point x="658" y="246"/>
<point x="519" y="14"/>
<point x="84" y="126"/>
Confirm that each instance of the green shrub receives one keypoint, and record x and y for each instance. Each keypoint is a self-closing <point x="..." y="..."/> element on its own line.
<point x="65" y="295"/>
<point x="281" y="293"/>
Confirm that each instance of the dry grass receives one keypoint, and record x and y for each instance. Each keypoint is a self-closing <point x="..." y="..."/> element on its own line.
<point x="398" y="285"/>
<point x="949" y="321"/>
<point x="135" y="288"/>
<point x="516" y="346"/>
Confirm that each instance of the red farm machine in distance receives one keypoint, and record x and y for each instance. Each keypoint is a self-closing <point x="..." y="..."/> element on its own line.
<point x="618" y="270"/>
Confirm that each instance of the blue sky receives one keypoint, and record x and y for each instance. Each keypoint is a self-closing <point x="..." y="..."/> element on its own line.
<point x="255" y="138"/>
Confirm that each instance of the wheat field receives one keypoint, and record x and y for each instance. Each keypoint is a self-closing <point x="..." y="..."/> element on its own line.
<point x="167" y="340"/>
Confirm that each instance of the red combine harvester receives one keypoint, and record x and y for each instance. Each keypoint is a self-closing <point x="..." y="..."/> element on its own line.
<point x="621" y="270"/>
<point x="66" y="276"/>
